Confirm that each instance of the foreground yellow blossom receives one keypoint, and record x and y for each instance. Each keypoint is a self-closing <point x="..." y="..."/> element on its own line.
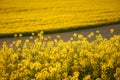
<point x="75" y="59"/>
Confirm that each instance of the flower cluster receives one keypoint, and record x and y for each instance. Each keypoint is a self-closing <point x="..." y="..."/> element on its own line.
<point x="24" y="16"/>
<point x="76" y="59"/>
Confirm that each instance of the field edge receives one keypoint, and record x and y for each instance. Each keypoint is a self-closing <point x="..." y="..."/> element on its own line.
<point x="72" y="28"/>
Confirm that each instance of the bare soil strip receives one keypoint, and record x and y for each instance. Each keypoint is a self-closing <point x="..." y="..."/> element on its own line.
<point x="104" y="30"/>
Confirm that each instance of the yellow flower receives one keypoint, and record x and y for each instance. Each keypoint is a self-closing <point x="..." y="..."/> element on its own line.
<point x="58" y="36"/>
<point x="104" y="66"/>
<point x="31" y="37"/>
<point x="97" y="31"/>
<point x="91" y="34"/>
<point x="32" y="66"/>
<point x="38" y="75"/>
<point x="98" y="79"/>
<point x="20" y="35"/>
<point x="75" y="35"/>
<point x="15" y="35"/>
<point x="87" y="77"/>
<point x="43" y="60"/>
<point x="33" y="34"/>
<point x="111" y="30"/>
<point x="37" y="65"/>
<point x="118" y="70"/>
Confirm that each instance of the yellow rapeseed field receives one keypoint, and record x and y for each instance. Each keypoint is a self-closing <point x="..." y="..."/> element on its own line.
<point x="35" y="15"/>
<point x="76" y="59"/>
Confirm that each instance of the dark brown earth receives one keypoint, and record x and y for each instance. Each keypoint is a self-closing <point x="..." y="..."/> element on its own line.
<point x="104" y="30"/>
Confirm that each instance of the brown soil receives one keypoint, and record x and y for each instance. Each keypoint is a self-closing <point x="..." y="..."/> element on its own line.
<point x="104" y="30"/>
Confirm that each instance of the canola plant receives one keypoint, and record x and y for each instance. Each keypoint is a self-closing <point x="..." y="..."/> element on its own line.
<point x="21" y="16"/>
<point x="75" y="59"/>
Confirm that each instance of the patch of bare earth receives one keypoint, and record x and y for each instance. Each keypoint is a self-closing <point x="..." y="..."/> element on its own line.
<point x="104" y="30"/>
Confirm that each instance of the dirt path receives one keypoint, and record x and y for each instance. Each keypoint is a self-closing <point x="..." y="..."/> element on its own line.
<point x="104" y="30"/>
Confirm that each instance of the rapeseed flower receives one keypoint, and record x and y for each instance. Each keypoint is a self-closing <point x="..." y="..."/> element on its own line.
<point x="74" y="59"/>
